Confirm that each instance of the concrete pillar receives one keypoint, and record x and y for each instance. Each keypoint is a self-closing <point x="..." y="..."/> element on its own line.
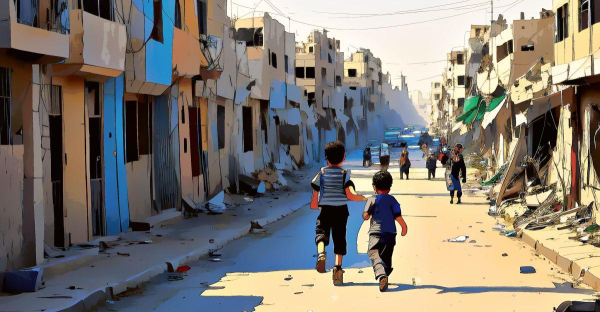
<point x="33" y="205"/>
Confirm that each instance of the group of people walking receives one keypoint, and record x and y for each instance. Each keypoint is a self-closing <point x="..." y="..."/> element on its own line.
<point x="333" y="189"/>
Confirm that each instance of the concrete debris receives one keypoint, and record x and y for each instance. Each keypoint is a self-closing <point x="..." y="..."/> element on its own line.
<point x="459" y="239"/>
<point x="504" y="255"/>
<point x="26" y="280"/>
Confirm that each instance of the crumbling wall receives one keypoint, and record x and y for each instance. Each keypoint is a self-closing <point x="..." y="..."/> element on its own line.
<point x="11" y="208"/>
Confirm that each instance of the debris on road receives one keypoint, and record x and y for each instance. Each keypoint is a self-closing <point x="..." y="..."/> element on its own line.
<point x="288" y="278"/>
<point x="183" y="269"/>
<point x="527" y="270"/>
<point x="504" y="255"/>
<point x="459" y="239"/>
<point x="124" y="254"/>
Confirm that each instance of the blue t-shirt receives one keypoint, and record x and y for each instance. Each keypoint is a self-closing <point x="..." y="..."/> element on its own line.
<point x="384" y="209"/>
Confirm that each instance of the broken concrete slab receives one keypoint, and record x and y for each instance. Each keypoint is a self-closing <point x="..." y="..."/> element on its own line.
<point x="26" y="280"/>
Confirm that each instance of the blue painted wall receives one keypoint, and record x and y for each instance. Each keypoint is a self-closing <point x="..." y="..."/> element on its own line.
<point x="120" y="137"/>
<point x="159" y="56"/>
<point x="116" y="202"/>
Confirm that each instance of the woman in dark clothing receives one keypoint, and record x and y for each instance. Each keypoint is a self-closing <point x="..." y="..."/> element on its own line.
<point x="457" y="169"/>
<point x="404" y="164"/>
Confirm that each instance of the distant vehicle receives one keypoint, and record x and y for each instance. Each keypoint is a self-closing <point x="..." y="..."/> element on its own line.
<point x="391" y="136"/>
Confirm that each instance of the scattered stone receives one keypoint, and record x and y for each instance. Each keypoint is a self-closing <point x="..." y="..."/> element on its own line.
<point x="298" y="293"/>
<point x="459" y="239"/>
<point x="212" y="241"/>
<point x="288" y="278"/>
<point x="308" y="285"/>
<point x="124" y="254"/>
<point x="360" y="271"/>
<point x="71" y="287"/>
<point x="472" y="241"/>
<point x="504" y="255"/>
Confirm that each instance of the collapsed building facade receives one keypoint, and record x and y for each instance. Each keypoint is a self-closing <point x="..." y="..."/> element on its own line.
<point x="114" y="112"/>
<point x="531" y="120"/>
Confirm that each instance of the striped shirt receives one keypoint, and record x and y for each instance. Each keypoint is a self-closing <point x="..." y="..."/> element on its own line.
<point x="331" y="183"/>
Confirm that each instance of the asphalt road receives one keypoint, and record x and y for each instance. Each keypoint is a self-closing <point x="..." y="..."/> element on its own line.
<point x="273" y="270"/>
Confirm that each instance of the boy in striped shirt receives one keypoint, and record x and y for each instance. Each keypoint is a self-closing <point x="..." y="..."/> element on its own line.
<point x="332" y="189"/>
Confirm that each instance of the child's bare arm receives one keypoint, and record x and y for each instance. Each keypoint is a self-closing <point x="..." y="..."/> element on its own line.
<point x="314" y="203"/>
<point x="352" y="196"/>
<point x="368" y="208"/>
<point x="402" y="223"/>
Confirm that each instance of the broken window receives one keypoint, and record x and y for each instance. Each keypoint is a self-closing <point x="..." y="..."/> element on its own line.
<point x="323" y="72"/>
<point x="178" y="18"/>
<point x="595" y="10"/>
<point x="380" y="74"/>
<point x="131" y="132"/>
<point x="144" y="125"/>
<point x="437" y="85"/>
<point x="264" y="111"/>
<point x="584" y="14"/>
<point x="248" y="130"/>
<point x="469" y="82"/>
<point x="201" y="6"/>
<point x="5" y="115"/>
<point x="311" y="49"/>
<point x="477" y="32"/>
<point x="101" y="8"/>
<point x="311" y="98"/>
<point x="157" y="29"/>
<point x="287" y="63"/>
<point x="562" y="22"/>
<point x="221" y="126"/>
<point x="351" y="72"/>
<point x="352" y="88"/>
<point x="461" y="102"/>
<point x="300" y="72"/>
<point x="310" y="73"/>
<point x="338" y="81"/>
<point x="185" y="146"/>
<point x="329" y="59"/>
<point x="460" y="59"/>
<point x="289" y="134"/>
<point x="274" y="60"/>
<point x="528" y="47"/>
<point x="461" y="80"/>
<point x="436" y="97"/>
<point x="269" y="56"/>
<point x="252" y="36"/>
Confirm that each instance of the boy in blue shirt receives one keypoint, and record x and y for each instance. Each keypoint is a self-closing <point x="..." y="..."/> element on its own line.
<point x="332" y="189"/>
<point x="383" y="209"/>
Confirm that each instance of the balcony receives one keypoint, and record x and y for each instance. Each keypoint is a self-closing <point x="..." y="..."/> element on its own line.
<point x="97" y="47"/>
<point x="40" y="29"/>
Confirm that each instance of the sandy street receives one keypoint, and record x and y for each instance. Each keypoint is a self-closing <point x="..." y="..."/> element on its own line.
<point x="274" y="270"/>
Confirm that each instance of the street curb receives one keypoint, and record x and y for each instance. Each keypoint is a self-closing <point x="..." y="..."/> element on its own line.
<point x="569" y="266"/>
<point x="102" y="294"/>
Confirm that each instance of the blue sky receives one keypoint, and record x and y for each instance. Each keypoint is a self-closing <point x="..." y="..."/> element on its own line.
<point x="404" y="48"/>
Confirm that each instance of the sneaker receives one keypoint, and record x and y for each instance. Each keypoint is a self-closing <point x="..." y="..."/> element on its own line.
<point x="383" y="283"/>
<point x="338" y="276"/>
<point x="321" y="263"/>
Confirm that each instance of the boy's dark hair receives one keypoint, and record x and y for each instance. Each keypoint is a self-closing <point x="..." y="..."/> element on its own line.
<point x="383" y="180"/>
<point x="335" y="152"/>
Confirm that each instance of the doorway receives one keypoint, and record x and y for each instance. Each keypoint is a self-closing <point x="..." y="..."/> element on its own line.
<point x="93" y="104"/>
<point x="56" y="163"/>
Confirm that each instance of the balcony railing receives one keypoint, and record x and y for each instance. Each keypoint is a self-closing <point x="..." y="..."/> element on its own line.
<point x="54" y="17"/>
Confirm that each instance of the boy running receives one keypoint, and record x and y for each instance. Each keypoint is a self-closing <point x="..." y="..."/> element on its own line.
<point x="383" y="209"/>
<point x="332" y="189"/>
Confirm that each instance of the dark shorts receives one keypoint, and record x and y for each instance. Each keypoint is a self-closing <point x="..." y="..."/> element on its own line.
<point x="384" y="160"/>
<point x="332" y="222"/>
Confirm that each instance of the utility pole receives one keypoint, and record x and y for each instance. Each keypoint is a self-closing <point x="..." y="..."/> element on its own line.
<point x="492" y="10"/>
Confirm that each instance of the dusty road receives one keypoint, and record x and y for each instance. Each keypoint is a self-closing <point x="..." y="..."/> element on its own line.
<point x="274" y="270"/>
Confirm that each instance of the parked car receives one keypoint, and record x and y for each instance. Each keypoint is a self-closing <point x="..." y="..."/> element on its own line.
<point x="391" y="136"/>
